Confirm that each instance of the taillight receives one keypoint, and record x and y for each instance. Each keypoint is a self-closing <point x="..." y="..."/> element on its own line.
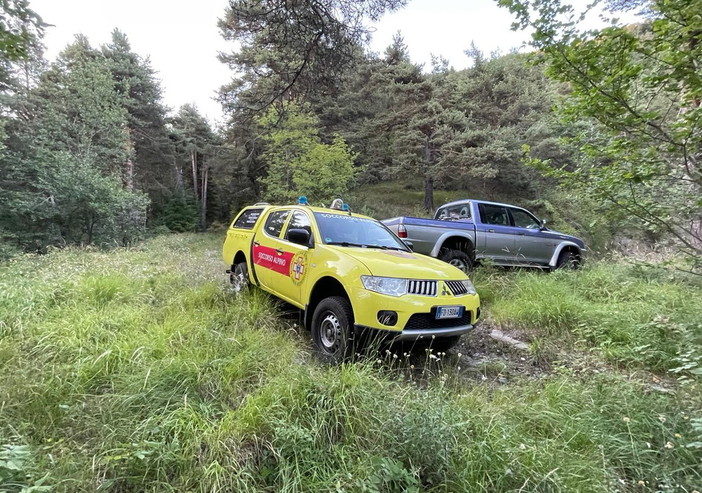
<point x="402" y="231"/>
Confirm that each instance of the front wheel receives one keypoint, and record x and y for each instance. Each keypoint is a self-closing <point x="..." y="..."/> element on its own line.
<point x="457" y="258"/>
<point x="568" y="260"/>
<point x="331" y="329"/>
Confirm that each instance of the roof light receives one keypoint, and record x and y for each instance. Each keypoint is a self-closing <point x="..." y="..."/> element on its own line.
<point x="337" y="204"/>
<point x="302" y="200"/>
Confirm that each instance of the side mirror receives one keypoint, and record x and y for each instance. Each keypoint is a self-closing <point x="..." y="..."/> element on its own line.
<point x="409" y="244"/>
<point x="299" y="236"/>
<point x="543" y="224"/>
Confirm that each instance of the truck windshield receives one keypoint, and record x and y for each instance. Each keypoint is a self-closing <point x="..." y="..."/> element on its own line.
<point x="453" y="212"/>
<point x="345" y="230"/>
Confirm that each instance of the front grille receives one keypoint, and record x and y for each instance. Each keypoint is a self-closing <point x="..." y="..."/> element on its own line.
<point x="424" y="321"/>
<point x="457" y="287"/>
<point x="425" y="288"/>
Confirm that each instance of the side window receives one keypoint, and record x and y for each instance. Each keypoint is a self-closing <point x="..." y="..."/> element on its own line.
<point x="300" y="220"/>
<point x="247" y="219"/>
<point x="523" y="219"/>
<point x="274" y="223"/>
<point x="494" y="214"/>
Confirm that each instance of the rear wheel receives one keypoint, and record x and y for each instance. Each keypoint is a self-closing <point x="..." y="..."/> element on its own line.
<point x="239" y="278"/>
<point x="331" y="329"/>
<point x="457" y="258"/>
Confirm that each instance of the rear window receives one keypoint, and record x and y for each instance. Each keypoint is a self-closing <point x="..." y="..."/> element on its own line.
<point x="248" y="219"/>
<point x="453" y="212"/>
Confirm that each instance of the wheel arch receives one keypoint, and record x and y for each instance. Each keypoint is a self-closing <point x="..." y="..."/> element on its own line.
<point x="453" y="241"/>
<point x="565" y="246"/>
<point x="324" y="288"/>
<point x="239" y="257"/>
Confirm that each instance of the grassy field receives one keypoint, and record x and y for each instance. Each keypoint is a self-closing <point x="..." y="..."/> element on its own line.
<point x="137" y="370"/>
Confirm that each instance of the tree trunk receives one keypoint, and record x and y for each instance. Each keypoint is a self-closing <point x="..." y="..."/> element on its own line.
<point x="696" y="233"/>
<point x="91" y="226"/>
<point x="193" y="161"/>
<point x="428" y="178"/>
<point x="203" y="202"/>
<point x="128" y="180"/>
<point x="429" y="193"/>
<point x="178" y="175"/>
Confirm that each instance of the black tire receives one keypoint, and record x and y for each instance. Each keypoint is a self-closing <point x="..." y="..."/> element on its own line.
<point x="457" y="258"/>
<point x="332" y="326"/>
<point x="239" y="278"/>
<point x="568" y="260"/>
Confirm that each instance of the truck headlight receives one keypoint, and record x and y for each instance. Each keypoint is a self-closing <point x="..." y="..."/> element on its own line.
<point x="391" y="286"/>
<point x="469" y="286"/>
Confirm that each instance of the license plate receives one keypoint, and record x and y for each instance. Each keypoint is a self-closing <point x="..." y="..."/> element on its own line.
<point x="449" y="312"/>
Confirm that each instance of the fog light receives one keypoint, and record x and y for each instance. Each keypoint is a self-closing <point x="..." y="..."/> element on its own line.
<point x="387" y="317"/>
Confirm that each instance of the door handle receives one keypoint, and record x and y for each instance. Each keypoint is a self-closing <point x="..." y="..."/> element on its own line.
<point x="278" y="251"/>
<point x="256" y="243"/>
<point x="491" y="230"/>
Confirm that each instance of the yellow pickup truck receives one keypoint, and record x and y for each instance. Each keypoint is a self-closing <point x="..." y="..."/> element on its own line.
<point x="350" y="275"/>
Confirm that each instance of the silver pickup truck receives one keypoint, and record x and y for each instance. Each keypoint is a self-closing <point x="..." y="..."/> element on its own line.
<point x="467" y="231"/>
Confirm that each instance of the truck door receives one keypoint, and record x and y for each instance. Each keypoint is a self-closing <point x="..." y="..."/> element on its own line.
<point x="531" y="245"/>
<point x="269" y="262"/>
<point x="285" y="262"/>
<point x="498" y="233"/>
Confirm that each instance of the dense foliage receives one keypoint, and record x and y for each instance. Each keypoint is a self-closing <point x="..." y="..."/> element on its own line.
<point x="640" y="88"/>
<point x="89" y="153"/>
<point x="298" y="160"/>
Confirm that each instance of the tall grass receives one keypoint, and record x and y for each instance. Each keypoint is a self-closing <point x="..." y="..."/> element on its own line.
<point x="630" y="315"/>
<point x="137" y="370"/>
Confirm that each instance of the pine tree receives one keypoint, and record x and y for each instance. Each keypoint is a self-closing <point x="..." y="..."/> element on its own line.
<point x="195" y="147"/>
<point x="147" y="164"/>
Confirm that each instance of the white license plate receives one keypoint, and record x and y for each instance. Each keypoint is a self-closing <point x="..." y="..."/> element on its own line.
<point x="449" y="312"/>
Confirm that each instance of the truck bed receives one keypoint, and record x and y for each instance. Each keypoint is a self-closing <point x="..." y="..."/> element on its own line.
<point x="424" y="233"/>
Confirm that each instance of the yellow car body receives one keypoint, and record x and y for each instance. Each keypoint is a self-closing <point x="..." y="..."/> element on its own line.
<point x="265" y="243"/>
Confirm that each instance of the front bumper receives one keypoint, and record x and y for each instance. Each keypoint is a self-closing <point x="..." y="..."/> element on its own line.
<point x="419" y="334"/>
<point x="416" y="314"/>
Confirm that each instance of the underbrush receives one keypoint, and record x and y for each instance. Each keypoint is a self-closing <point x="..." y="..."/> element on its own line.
<point x="138" y="371"/>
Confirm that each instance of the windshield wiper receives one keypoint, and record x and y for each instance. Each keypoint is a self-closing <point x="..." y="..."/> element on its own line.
<point x="345" y="244"/>
<point x="362" y="245"/>
<point x="385" y="247"/>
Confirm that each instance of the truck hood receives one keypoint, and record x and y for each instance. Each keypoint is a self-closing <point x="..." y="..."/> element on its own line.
<point x="395" y="263"/>
<point x="565" y="237"/>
